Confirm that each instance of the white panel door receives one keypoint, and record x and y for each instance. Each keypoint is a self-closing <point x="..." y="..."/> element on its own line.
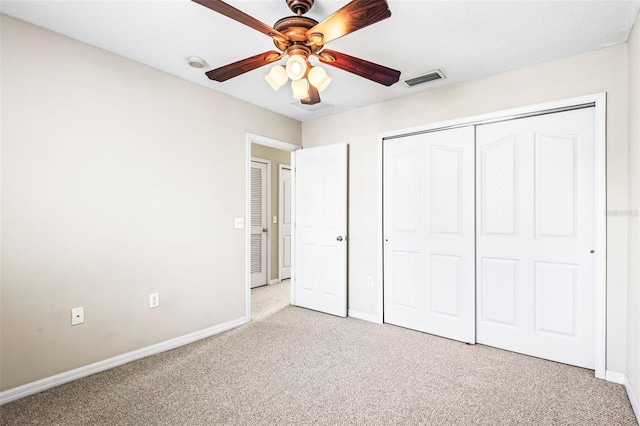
<point x="258" y="224"/>
<point x="284" y="246"/>
<point x="428" y="209"/>
<point x="320" y="268"/>
<point x="535" y="232"/>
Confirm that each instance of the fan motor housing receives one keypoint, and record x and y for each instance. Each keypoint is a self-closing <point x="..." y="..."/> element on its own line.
<point x="295" y="27"/>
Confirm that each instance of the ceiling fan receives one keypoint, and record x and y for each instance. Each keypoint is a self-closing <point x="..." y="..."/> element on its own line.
<point x="300" y="37"/>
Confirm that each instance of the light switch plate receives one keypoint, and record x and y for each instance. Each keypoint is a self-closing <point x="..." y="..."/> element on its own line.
<point x="275" y="219"/>
<point x="239" y="222"/>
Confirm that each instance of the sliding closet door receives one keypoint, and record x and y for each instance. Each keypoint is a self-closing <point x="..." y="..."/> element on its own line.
<point x="535" y="235"/>
<point x="428" y="213"/>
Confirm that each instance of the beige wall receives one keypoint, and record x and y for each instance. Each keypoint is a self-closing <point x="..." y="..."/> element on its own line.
<point x="118" y="180"/>
<point x="277" y="157"/>
<point x="601" y="71"/>
<point x="633" y="343"/>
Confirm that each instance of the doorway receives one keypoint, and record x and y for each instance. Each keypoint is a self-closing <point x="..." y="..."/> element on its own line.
<point x="265" y="157"/>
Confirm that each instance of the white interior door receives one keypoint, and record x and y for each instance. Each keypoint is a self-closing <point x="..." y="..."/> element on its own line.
<point x="320" y="256"/>
<point x="535" y="233"/>
<point x="284" y="246"/>
<point x="258" y="224"/>
<point x="428" y="210"/>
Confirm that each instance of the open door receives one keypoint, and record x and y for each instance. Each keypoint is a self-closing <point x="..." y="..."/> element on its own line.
<point x="320" y="235"/>
<point x="284" y="234"/>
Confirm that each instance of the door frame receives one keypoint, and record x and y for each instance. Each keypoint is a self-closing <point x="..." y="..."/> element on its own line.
<point x="280" y="215"/>
<point x="273" y="143"/>
<point x="267" y="261"/>
<point x="597" y="101"/>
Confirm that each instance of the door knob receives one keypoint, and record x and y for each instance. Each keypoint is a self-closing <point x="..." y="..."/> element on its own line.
<point x="339" y="238"/>
<point x="264" y="229"/>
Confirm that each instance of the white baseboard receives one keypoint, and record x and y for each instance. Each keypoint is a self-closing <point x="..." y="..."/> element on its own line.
<point x="87" y="370"/>
<point x="363" y="316"/>
<point x="621" y="378"/>
<point x="276" y="281"/>
<point x="615" y="377"/>
<point x="635" y="403"/>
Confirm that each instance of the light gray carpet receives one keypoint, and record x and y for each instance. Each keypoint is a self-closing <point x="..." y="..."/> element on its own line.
<point x="297" y="367"/>
<point x="269" y="299"/>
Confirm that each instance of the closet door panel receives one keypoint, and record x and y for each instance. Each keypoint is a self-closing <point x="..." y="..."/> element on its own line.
<point x="535" y="233"/>
<point x="428" y="208"/>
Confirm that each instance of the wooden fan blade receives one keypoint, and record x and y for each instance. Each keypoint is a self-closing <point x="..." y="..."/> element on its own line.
<point x="235" y="69"/>
<point x="352" y="17"/>
<point x="314" y="96"/>
<point x="238" y="15"/>
<point x="369" y="70"/>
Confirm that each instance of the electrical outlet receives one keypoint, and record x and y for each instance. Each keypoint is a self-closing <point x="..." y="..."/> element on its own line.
<point x="77" y="316"/>
<point x="370" y="281"/>
<point x="154" y="300"/>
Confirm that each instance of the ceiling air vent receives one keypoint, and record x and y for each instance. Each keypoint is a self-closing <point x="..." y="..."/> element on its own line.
<point x="424" y="78"/>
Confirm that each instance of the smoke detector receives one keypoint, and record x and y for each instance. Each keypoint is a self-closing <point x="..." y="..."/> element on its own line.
<point x="196" y="62"/>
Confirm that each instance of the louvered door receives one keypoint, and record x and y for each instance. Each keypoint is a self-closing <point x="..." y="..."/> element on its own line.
<point x="258" y="224"/>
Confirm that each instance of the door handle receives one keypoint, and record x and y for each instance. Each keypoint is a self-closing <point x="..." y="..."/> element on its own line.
<point x="339" y="238"/>
<point x="265" y="230"/>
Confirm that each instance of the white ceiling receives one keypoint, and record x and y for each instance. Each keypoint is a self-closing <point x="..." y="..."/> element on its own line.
<point x="465" y="39"/>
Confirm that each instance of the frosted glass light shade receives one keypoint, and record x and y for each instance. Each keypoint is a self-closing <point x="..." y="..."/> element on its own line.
<point x="296" y="67"/>
<point x="300" y="88"/>
<point x="319" y="78"/>
<point x="276" y="77"/>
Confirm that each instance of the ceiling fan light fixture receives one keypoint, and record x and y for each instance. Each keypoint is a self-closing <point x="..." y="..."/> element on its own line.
<point x="318" y="78"/>
<point x="296" y="67"/>
<point x="300" y="88"/>
<point x="276" y="77"/>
